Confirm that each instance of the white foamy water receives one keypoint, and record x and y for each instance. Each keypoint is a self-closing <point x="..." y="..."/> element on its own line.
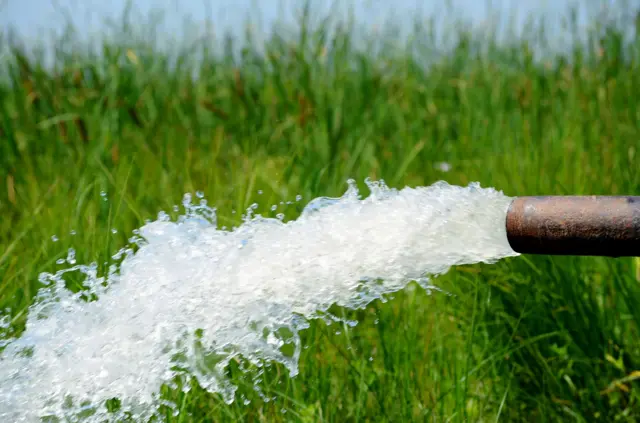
<point x="191" y="290"/>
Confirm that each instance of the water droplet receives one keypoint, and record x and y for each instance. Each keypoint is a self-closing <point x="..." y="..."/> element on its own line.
<point x="370" y="358"/>
<point x="176" y="208"/>
<point x="71" y="256"/>
<point x="114" y="231"/>
<point x="199" y="194"/>
<point x="61" y="261"/>
<point x="259" y="192"/>
<point x="298" y="197"/>
<point x="443" y="166"/>
<point x="54" y="238"/>
<point x="73" y="232"/>
<point x="274" y="207"/>
<point x="280" y="216"/>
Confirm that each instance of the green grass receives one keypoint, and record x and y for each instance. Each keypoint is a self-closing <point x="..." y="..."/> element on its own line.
<point x="527" y="339"/>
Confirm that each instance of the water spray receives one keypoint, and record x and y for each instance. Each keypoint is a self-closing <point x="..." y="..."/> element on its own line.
<point x="193" y="296"/>
<point x="575" y="225"/>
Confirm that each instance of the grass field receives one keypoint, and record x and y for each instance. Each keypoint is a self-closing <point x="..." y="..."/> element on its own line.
<point x="527" y="339"/>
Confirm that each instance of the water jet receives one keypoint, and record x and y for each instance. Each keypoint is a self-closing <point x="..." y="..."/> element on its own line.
<point x="188" y="297"/>
<point x="191" y="296"/>
<point x="575" y="225"/>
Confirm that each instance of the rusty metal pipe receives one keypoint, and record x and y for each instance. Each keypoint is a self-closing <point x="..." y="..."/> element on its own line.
<point x="575" y="225"/>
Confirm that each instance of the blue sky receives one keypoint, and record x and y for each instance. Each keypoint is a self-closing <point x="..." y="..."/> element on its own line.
<point x="31" y="16"/>
<point x="33" y="19"/>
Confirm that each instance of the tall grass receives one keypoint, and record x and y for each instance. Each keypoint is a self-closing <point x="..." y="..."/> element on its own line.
<point x="527" y="339"/>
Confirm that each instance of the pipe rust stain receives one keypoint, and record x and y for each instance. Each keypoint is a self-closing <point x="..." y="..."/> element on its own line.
<point x="575" y="225"/>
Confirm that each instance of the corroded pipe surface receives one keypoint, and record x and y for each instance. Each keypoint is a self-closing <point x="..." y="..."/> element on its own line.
<point x="575" y="225"/>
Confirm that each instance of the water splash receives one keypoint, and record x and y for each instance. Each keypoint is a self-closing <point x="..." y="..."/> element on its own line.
<point x="192" y="291"/>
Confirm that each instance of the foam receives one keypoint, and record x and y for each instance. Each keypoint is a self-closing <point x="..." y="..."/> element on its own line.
<point x="238" y="287"/>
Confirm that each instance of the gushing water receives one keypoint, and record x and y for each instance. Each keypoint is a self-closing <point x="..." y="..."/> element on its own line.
<point x="192" y="291"/>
